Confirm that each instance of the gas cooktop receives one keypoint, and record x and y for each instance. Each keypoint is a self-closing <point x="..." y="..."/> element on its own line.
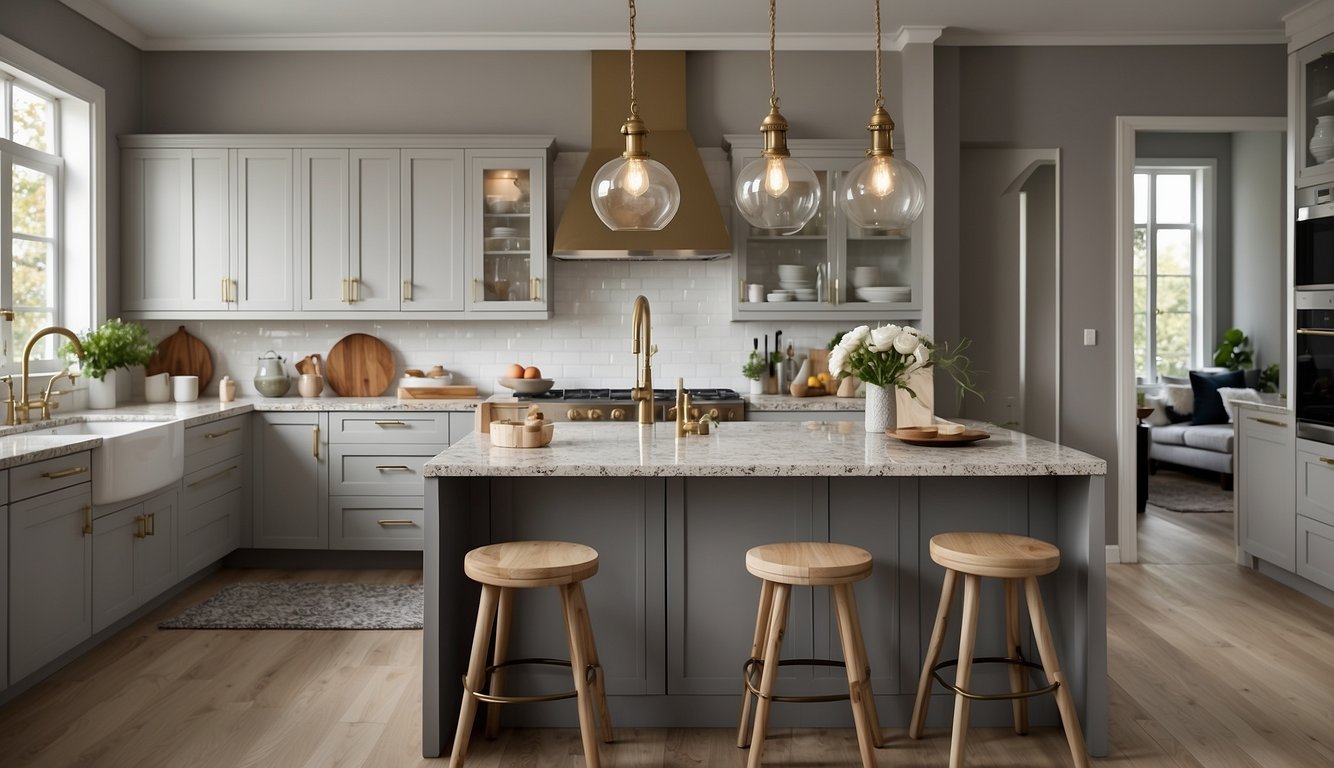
<point x="616" y="405"/>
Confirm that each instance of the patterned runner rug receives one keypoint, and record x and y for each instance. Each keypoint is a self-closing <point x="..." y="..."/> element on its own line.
<point x="1183" y="492"/>
<point x="305" y="605"/>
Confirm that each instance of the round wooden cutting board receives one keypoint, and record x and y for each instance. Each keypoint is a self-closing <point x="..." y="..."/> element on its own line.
<point x="359" y="365"/>
<point x="181" y="354"/>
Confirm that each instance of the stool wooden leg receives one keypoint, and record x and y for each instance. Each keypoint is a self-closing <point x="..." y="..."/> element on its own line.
<point x="504" y="615"/>
<point x="933" y="655"/>
<point x="859" y="687"/>
<point x="871" y="710"/>
<point x="1013" y="649"/>
<point x="772" y="645"/>
<point x="1052" y="666"/>
<point x="599" y="682"/>
<point x="579" y="669"/>
<point x="756" y="652"/>
<point x="481" y="638"/>
<point x="967" y="641"/>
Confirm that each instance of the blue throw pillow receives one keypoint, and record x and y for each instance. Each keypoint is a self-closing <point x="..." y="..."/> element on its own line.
<point x="1208" y="404"/>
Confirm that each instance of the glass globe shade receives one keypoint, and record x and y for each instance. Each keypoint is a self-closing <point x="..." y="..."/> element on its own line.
<point x="777" y="193"/>
<point x="635" y="194"/>
<point x="883" y="192"/>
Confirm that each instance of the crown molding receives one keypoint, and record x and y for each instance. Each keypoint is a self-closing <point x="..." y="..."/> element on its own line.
<point x="1309" y="23"/>
<point x="963" y="37"/>
<point x="104" y="17"/>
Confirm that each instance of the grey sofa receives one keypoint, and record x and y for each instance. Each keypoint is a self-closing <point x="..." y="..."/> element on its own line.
<point x="1199" y="446"/>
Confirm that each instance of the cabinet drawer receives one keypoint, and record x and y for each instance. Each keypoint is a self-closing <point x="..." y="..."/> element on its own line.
<point x="208" y="532"/>
<point x="211" y="443"/>
<point x="1274" y="427"/>
<point x="376" y="522"/>
<point x="1315" y="551"/>
<point x="372" y="471"/>
<point x="207" y="483"/>
<point x="1315" y="481"/>
<point x="51" y="475"/>
<point x="396" y="427"/>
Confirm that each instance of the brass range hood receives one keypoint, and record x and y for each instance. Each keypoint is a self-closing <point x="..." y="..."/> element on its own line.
<point x="697" y="232"/>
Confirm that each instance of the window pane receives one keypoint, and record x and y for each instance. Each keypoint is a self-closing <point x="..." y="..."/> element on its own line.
<point x="1140" y="249"/>
<point x="31" y="211"/>
<point x="1173" y="344"/>
<point x="1173" y="294"/>
<point x="1141" y="198"/>
<point x="1141" y="290"/>
<point x="1141" y="344"/>
<point x="34" y="296"/>
<point x="32" y="121"/>
<point x="1174" y="251"/>
<point x="1173" y="204"/>
<point x="27" y="323"/>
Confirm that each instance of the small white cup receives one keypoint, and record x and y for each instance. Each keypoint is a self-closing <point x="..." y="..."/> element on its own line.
<point x="185" y="389"/>
<point x="157" y="388"/>
<point x="755" y="292"/>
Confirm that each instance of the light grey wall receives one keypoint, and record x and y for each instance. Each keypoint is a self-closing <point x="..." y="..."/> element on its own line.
<point x="1069" y="98"/>
<point x="1160" y="145"/>
<point x="946" y="199"/>
<point x="60" y="34"/>
<point x="1259" y="268"/>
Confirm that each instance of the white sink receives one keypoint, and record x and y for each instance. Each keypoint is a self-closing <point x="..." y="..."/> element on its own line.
<point x="135" y="456"/>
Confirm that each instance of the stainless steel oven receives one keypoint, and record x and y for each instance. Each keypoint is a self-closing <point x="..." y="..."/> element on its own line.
<point x="1315" y="364"/>
<point x="1313" y="265"/>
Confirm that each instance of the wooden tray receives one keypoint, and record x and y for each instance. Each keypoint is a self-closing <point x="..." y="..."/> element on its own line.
<point x="515" y="434"/>
<point x="359" y="365"/>
<point x="181" y="354"/>
<point x="436" y="393"/>
<point x="943" y="441"/>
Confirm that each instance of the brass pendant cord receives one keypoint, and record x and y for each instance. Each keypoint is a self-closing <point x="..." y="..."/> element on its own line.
<point x="634" y="105"/>
<point x="879" y="90"/>
<point x="773" y="21"/>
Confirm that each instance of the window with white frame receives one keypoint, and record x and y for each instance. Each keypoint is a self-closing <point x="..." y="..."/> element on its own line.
<point x="1172" y="268"/>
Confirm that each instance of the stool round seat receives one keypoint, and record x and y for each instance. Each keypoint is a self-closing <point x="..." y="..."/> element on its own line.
<point x="531" y="563"/>
<point x="999" y="555"/>
<point x="809" y="563"/>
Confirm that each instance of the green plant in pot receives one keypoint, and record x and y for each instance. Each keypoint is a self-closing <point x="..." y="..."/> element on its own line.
<point x="110" y="346"/>
<point x="754" y="369"/>
<point x="1234" y="351"/>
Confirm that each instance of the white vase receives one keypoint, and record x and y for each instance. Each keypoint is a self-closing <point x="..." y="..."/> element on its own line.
<point x="102" y="393"/>
<point x="879" y="408"/>
<point x="757" y="386"/>
<point x="1322" y="139"/>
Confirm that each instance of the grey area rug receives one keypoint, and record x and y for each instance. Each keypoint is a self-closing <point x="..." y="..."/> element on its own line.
<point x="305" y="605"/>
<point x="1181" y="492"/>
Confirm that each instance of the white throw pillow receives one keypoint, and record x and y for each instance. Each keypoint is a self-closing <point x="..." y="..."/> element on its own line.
<point x="1181" y="398"/>
<point x="1159" y="416"/>
<point x="1230" y="395"/>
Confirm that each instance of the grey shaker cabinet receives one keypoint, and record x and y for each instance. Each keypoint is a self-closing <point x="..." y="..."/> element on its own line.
<point x="1265" y="454"/>
<point x="291" y="470"/>
<point x="134" y="557"/>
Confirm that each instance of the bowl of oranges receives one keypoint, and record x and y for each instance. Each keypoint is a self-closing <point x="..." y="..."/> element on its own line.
<point x="526" y="380"/>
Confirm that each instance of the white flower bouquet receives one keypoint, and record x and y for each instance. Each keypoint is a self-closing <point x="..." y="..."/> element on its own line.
<point x="888" y="355"/>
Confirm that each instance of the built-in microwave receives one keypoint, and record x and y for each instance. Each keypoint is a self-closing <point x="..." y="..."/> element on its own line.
<point x="1314" y="402"/>
<point x="1313" y="265"/>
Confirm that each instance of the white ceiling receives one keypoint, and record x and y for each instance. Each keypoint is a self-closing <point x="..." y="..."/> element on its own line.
<point x="671" y="24"/>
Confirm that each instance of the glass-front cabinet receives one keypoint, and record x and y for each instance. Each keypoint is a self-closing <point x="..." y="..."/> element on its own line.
<point x="1315" y="111"/>
<point x="507" y="264"/>
<point x="831" y="269"/>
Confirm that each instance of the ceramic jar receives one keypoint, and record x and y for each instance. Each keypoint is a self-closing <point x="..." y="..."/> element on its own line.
<point x="271" y="380"/>
<point x="1322" y="139"/>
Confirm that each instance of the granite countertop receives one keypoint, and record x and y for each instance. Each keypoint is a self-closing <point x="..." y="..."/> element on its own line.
<point x="790" y="403"/>
<point x="739" y="449"/>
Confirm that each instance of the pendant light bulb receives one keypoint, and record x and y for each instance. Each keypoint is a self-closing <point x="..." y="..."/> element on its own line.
<point x="775" y="177"/>
<point x="634" y="193"/>
<point x="882" y="181"/>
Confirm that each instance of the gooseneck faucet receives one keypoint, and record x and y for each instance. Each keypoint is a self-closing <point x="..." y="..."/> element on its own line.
<point x="641" y="344"/>
<point x="23" y="408"/>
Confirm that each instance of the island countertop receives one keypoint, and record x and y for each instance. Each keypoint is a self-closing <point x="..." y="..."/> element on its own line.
<point x="833" y="449"/>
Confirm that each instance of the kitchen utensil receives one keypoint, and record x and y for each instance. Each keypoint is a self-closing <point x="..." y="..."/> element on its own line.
<point x="526" y="386"/>
<point x="310" y="385"/>
<point x="157" y="388"/>
<point x="441" y="392"/>
<point x="359" y="365"/>
<point x="271" y="379"/>
<point x="185" y="389"/>
<point x="181" y="354"/>
<point x="945" y="441"/>
<point x="515" y="434"/>
<point x="309" y="364"/>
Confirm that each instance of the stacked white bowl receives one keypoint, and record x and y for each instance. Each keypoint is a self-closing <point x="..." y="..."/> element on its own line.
<point x="865" y="276"/>
<point x="797" y="279"/>
<point x="885" y="293"/>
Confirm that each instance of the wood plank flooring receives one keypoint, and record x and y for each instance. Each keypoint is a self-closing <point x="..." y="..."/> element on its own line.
<point x="1211" y="666"/>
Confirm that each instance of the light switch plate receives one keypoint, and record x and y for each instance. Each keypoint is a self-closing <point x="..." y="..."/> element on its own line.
<point x="1090" y="337"/>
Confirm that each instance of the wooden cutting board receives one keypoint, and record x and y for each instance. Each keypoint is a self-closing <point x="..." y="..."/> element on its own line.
<point x="437" y="393"/>
<point x="359" y="365"/>
<point x="181" y="354"/>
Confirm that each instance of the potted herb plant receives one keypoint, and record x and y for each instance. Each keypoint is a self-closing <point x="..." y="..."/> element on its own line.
<point x="755" y="369"/>
<point x="110" y="346"/>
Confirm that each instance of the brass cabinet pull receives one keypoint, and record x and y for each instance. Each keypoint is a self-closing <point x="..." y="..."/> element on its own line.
<point x="214" y="476"/>
<point x="224" y="290"/>
<point x="407" y="290"/>
<point x="71" y="472"/>
<point x="1314" y="332"/>
<point x="355" y="283"/>
<point x="393" y="467"/>
<point x="387" y="523"/>
<point x="536" y="291"/>
<point x="215" y="435"/>
<point x="315" y="446"/>
<point x="1270" y="422"/>
<point x="1326" y="460"/>
<point x="390" y="423"/>
<point x="140" y="527"/>
<point x="152" y="523"/>
<point x="87" y="519"/>
<point x="342" y="296"/>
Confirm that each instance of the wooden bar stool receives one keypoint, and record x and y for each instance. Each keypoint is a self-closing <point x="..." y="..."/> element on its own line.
<point x="502" y="568"/>
<point x="1014" y="559"/>
<point x="816" y="564"/>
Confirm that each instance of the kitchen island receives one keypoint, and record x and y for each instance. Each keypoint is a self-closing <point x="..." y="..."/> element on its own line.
<point x="672" y="604"/>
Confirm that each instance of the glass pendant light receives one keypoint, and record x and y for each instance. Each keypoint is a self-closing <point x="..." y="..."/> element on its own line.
<point x="776" y="192"/>
<point x="633" y="192"/>
<point x="882" y="192"/>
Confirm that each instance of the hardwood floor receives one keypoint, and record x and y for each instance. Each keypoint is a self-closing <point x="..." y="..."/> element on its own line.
<point x="1211" y="665"/>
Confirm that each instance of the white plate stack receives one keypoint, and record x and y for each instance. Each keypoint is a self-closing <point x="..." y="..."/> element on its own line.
<point x="885" y="293"/>
<point x="797" y="280"/>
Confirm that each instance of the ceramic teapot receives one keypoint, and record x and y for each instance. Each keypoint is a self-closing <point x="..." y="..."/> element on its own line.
<point x="271" y="380"/>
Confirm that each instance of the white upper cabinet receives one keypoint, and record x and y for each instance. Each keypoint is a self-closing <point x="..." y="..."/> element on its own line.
<point x="335" y="226"/>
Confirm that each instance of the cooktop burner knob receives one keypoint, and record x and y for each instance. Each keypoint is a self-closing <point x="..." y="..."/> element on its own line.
<point x="573" y="414"/>
<point x="713" y="413"/>
<point x="694" y="413"/>
<point x="618" y="414"/>
<point x="594" y="414"/>
<point x="671" y="412"/>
